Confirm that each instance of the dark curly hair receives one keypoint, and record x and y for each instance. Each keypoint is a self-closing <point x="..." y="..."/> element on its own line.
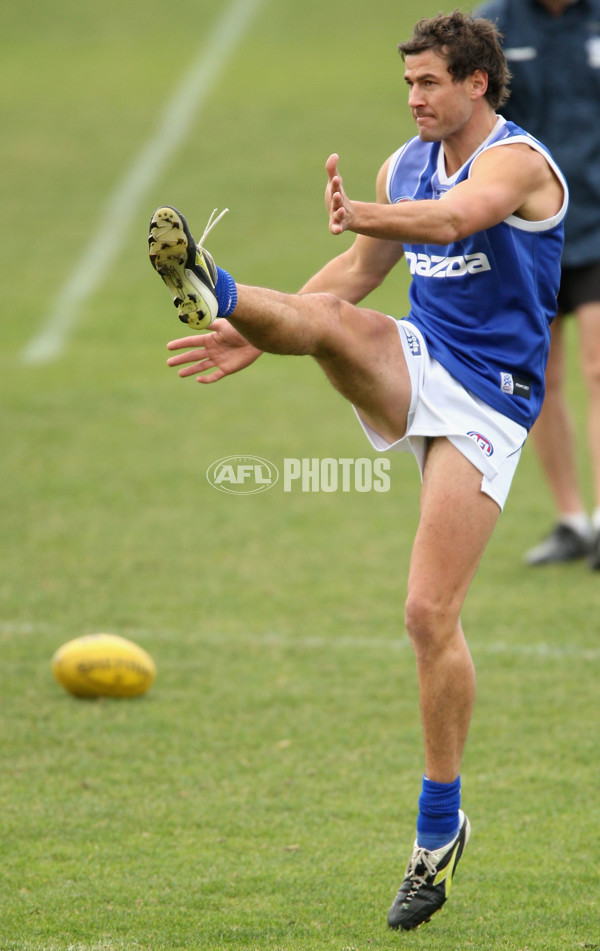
<point x="466" y="44"/>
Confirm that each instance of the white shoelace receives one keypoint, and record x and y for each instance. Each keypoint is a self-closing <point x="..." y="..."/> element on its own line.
<point x="419" y="856"/>
<point x="212" y="221"/>
<point x="422" y="856"/>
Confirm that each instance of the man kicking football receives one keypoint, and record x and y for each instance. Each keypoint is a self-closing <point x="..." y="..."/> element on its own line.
<point x="476" y="206"/>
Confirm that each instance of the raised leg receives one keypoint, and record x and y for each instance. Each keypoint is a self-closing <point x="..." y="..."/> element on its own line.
<point x="359" y="349"/>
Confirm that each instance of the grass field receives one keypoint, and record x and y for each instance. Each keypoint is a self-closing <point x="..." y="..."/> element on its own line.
<point x="263" y="794"/>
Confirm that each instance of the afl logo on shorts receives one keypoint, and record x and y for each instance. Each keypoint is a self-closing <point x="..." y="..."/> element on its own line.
<point x="483" y="443"/>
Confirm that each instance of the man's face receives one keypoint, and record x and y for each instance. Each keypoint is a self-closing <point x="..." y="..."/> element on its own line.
<point x="440" y="106"/>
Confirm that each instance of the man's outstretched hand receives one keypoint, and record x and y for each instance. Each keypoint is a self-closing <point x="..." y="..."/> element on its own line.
<point x="222" y="348"/>
<point x="338" y="205"/>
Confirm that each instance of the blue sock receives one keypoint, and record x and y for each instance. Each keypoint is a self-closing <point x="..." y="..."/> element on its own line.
<point x="438" y="820"/>
<point x="226" y="293"/>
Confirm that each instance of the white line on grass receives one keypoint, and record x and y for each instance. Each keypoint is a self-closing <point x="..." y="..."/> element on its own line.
<point x="122" y="205"/>
<point x="315" y="642"/>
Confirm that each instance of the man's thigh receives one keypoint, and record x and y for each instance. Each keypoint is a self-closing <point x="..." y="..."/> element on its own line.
<point x="362" y="355"/>
<point x="456" y="522"/>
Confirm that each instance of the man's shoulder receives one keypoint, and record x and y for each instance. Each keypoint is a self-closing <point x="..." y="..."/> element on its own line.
<point x="407" y="166"/>
<point x="412" y="151"/>
<point x="512" y="134"/>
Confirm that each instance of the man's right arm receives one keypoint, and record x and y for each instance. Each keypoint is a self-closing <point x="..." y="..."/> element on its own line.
<point x="356" y="272"/>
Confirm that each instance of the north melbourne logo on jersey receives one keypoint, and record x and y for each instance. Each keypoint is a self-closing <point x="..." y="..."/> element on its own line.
<point x="455" y="265"/>
<point x="515" y="385"/>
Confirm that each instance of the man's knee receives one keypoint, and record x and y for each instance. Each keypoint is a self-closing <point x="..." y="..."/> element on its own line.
<point x="334" y="317"/>
<point x="326" y="305"/>
<point x="430" y="622"/>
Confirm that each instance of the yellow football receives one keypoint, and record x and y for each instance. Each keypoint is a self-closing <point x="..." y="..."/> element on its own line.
<point x="103" y="665"/>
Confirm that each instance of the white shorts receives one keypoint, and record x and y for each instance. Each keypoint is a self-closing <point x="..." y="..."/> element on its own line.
<point x="441" y="406"/>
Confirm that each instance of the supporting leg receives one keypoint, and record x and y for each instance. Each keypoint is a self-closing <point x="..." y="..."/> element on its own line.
<point x="456" y="522"/>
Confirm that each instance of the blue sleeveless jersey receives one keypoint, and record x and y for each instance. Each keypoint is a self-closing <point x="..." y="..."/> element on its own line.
<point x="484" y="304"/>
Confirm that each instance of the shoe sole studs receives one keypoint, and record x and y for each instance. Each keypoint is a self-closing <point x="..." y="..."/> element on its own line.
<point x="168" y="253"/>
